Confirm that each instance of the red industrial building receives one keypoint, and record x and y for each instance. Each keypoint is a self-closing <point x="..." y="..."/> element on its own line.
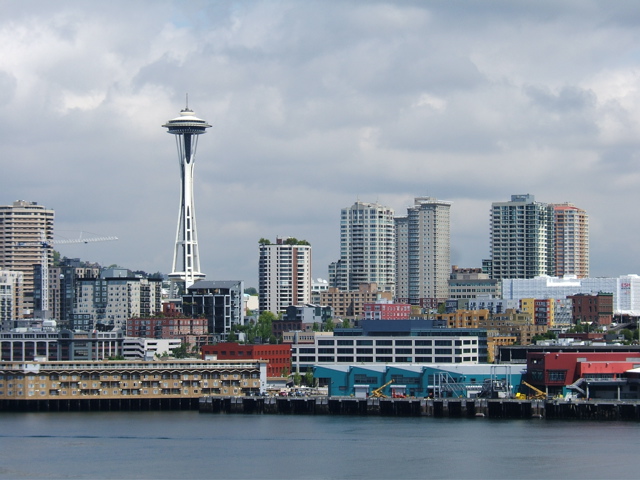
<point x="278" y="356"/>
<point x="590" y="374"/>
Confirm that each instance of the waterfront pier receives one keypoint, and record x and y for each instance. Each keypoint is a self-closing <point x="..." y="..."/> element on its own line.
<point x="425" y="407"/>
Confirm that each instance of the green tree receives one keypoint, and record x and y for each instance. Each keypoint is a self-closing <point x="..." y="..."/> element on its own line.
<point x="329" y="325"/>
<point x="308" y="378"/>
<point x="297" y="378"/>
<point x="442" y="308"/>
<point x="251" y="291"/>
<point x="264" y="326"/>
<point x="264" y="241"/>
<point x="182" y="351"/>
<point x="346" y="323"/>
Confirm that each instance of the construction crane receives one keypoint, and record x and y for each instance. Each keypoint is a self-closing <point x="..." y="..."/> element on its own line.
<point x="538" y="394"/>
<point x="377" y="393"/>
<point x="46" y="246"/>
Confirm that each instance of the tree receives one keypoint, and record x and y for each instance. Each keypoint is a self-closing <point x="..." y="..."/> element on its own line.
<point x="308" y="378"/>
<point x="181" y="352"/>
<point x="297" y="378"/>
<point x="264" y="241"/>
<point x="329" y="325"/>
<point x="346" y="323"/>
<point x="251" y="291"/>
<point x="442" y="308"/>
<point x="232" y="337"/>
<point x="264" y="327"/>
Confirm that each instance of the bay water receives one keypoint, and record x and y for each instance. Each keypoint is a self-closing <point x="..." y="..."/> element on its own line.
<point x="191" y="445"/>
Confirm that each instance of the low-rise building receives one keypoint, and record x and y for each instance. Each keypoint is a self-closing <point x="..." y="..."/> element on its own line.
<point x="443" y="346"/>
<point x="350" y="304"/>
<point x="148" y="348"/>
<point x="386" y="310"/>
<point x="166" y="327"/>
<point x="464" y="318"/>
<point x="119" y="380"/>
<point x="278" y="356"/>
<point x="516" y="324"/>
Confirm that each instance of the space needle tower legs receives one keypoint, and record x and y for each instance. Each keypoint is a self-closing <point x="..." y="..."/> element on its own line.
<point x="186" y="262"/>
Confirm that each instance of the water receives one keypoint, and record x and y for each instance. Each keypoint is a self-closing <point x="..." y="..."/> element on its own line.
<point x="168" y="445"/>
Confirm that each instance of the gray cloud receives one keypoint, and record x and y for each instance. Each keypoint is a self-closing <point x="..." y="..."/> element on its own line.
<point x="313" y="105"/>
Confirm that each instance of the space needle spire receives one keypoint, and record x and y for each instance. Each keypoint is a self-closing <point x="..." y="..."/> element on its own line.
<point x="186" y="261"/>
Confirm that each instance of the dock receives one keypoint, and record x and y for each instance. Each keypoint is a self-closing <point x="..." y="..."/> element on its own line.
<point x="425" y="407"/>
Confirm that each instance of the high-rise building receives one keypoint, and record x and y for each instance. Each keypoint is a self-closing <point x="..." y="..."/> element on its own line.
<point x="186" y="260"/>
<point x="367" y="248"/>
<point x="26" y="232"/>
<point x="571" y="232"/>
<point x="522" y="238"/>
<point x="423" y="246"/>
<point x="284" y="275"/>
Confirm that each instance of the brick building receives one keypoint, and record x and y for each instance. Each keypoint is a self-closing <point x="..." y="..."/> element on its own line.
<point x="278" y="356"/>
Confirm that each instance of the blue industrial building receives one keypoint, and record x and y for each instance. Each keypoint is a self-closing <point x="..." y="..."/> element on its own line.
<point x="419" y="380"/>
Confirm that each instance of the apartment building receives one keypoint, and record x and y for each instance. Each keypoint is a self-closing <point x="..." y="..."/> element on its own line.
<point x="423" y="253"/>
<point x="220" y="302"/>
<point x="284" y="275"/>
<point x="465" y="283"/>
<point x="111" y="301"/>
<point x="571" y="239"/>
<point x="26" y="234"/>
<point x="521" y="238"/>
<point x="350" y="303"/>
<point x="11" y="298"/>
<point x="118" y="380"/>
<point x="367" y="248"/>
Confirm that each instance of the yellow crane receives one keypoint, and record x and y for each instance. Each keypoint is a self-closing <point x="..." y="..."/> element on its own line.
<point x="538" y="394"/>
<point x="377" y="393"/>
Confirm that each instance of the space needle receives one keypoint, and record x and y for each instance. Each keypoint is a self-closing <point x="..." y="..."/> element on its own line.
<point x="186" y="261"/>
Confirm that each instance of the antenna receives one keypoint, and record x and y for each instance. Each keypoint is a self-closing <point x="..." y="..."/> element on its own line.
<point x="187" y="95"/>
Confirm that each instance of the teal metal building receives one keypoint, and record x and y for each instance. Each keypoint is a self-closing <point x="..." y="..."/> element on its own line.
<point x="421" y="380"/>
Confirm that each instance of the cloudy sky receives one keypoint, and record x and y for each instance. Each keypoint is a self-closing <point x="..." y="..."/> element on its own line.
<point x="314" y="105"/>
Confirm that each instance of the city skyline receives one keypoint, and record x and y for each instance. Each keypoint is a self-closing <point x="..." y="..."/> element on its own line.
<point x="315" y="105"/>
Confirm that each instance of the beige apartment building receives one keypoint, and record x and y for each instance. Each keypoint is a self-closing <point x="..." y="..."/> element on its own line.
<point x="115" y="380"/>
<point x="26" y="233"/>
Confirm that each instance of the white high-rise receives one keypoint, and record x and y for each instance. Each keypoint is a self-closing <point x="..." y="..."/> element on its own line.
<point x="423" y="239"/>
<point x="284" y="274"/>
<point x="522" y="238"/>
<point x="186" y="260"/>
<point x="367" y="248"/>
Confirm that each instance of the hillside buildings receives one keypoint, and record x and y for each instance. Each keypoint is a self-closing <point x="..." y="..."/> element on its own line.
<point x="284" y="274"/>
<point x="423" y="249"/>
<point x="367" y="248"/>
<point x="26" y="232"/>
<point x="625" y="288"/>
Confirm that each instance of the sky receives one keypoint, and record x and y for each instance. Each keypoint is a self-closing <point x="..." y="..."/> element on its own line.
<point x="315" y="105"/>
